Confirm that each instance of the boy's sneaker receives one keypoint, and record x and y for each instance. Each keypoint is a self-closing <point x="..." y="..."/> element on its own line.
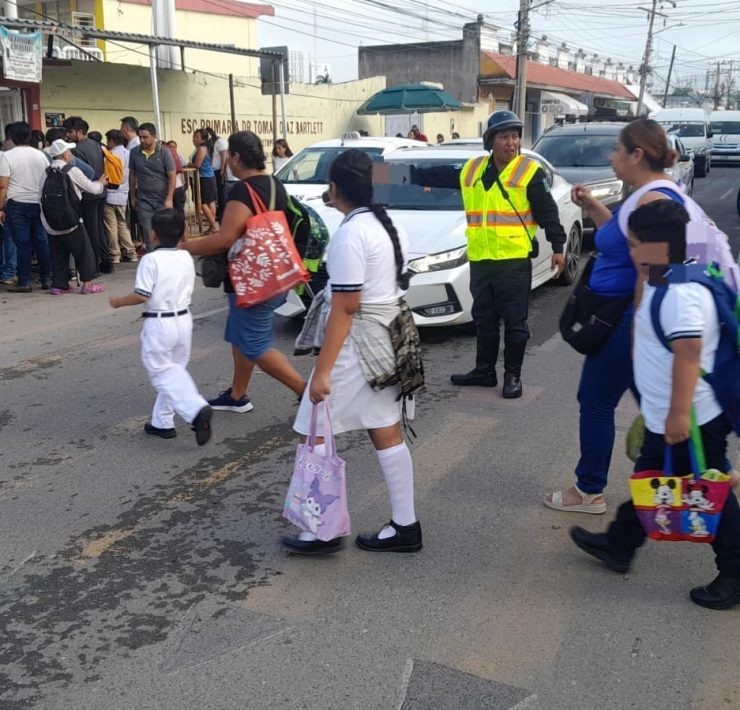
<point x="202" y="426"/>
<point x="226" y="403"/>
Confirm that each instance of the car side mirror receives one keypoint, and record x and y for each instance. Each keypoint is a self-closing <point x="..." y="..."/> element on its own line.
<point x="684" y="157"/>
<point x="710" y="134"/>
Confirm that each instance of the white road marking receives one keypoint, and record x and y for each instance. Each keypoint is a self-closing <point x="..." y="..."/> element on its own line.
<point x="207" y="314"/>
<point x="727" y="194"/>
<point x="405" y="678"/>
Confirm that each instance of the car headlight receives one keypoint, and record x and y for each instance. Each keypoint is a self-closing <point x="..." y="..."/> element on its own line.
<point x="439" y="262"/>
<point x="605" y="190"/>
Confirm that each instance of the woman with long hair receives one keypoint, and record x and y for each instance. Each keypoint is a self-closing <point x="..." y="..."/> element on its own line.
<point x="203" y="160"/>
<point x="281" y="154"/>
<point x="640" y="157"/>
<point x="220" y="160"/>
<point x="366" y="261"/>
<point x="249" y="330"/>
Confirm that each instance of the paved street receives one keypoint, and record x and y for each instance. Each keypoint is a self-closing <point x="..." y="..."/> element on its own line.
<point x="142" y="573"/>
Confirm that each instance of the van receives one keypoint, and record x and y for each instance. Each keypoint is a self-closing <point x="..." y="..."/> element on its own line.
<point x="691" y="125"/>
<point x="725" y="127"/>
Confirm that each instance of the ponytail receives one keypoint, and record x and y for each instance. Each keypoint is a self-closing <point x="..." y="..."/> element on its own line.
<point x="402" y="277"/>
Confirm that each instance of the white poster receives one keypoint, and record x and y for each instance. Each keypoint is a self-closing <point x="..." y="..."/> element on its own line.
<point x="22" y="53"/>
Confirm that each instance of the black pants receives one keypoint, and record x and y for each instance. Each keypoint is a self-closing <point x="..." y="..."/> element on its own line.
<point x="626" y="533"/>
<point x="78" y="245"/>
<point x="92" y="215"/>
<point x="221" y="202"/>
<point x="500" y="291"/>
<point x="178" y="200"/>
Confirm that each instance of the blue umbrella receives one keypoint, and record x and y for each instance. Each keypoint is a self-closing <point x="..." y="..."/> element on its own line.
<point x="409" y="98"/>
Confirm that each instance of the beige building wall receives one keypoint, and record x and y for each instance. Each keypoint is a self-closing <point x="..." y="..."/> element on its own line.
<point x="191" y="26"/>
<point x="103" y="93"/>
<point x="468" y="122"/>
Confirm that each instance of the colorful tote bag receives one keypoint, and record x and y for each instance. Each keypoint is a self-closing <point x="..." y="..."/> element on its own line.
<point x="681" y="507"/>
<point x="268" y="263"/>
<point x="317" y="497"/>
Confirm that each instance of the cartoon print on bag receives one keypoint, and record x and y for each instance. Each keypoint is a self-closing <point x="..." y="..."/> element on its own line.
<point x="663" y="498"/>
<point x="314" y="505"/>
<point x="697" y="525"/>
<point x="696" y="497"/>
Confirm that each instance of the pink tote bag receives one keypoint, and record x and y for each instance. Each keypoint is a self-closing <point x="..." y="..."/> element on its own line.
<point x="317" y="497"/>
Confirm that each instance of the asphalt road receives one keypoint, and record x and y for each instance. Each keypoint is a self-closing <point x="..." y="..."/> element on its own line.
<point x="140" y="573"/>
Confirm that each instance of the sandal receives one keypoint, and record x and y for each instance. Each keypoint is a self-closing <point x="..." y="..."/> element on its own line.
<point x="587" y="504"/>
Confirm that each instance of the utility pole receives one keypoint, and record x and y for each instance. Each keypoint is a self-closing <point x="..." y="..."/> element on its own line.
<point x="668" y="80"/>
<point x="645" y="67"/>
<point x="729" y="86"/>
<point x="716" y="89"/>
<point x="520" y="105"/>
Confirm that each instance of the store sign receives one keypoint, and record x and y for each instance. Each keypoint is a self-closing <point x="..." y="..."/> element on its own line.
<point x="602" y="102"/>
<point x="262" y="127"/>
<point x="22" y="53"/>
<point x="554" y="106"/>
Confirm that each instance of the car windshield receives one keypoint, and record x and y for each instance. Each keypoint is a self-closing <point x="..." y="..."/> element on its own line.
<point x="726" y="128"/>
<point x="576" y="151"/>
<point x="686" y="129"/>
<point x="418" y="185"/>
<point x="311" y="165"/>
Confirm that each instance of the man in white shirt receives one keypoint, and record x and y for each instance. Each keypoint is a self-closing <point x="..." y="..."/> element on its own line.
<point x="21" y="171"/>
<point x="130" y="131"/>
<point x="116" y="228"/>
<point x="71" y="238"/>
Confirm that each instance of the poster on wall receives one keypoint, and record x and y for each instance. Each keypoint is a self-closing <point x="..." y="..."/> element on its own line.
<point x="22" y="53"/>
<point x="54" y="120"/>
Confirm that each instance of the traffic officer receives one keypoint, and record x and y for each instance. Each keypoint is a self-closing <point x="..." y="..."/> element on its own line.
<point x="506" y="196"/>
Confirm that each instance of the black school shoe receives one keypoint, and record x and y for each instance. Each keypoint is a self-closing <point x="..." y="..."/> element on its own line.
<point x="475" y="378"/>
<point x="312" y="547"/>
<point x="406" y="539"/>
<point x="721" y="593"/>
<point x="597" y="545"/>
<point x="201" y="425"/>
<point x="162" y="433"/>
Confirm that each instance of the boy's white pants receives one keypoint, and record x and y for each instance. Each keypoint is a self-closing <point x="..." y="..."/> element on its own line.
<point x="165" y="351"/>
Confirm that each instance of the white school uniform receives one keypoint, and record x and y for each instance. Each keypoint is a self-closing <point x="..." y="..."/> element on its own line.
<point x="359" y="258"/>
<point x="167" y="278"/>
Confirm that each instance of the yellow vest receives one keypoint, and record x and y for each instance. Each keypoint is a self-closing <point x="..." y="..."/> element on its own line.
<point x="494" y="231"/>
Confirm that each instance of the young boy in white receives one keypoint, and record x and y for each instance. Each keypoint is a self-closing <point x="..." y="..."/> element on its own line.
<point x="670" y="386"/>
<point x="165" y="279"/>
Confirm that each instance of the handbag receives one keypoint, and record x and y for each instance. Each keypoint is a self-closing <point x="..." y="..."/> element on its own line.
<point x="213" y="270"/>
<point x="317" y="496"/>
<point x="681" y="507"/>
<point x="267" y="263"/>
<point x="588" y="319"/>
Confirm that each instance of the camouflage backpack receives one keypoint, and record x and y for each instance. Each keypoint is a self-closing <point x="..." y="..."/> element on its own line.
<point x="407" y="347"/>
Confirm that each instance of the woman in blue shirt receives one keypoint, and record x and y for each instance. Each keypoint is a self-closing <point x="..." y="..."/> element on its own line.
<point x="202" y="159"/>
<point x="640" y="157"/>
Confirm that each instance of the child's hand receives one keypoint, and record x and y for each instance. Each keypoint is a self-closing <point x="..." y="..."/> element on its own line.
<point x="677" y="428"/>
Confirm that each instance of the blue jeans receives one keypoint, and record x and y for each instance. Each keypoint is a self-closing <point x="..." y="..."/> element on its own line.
<point x="23" y="220"/>
<point x="606" y="376"/>
<point x="8" y="259"/>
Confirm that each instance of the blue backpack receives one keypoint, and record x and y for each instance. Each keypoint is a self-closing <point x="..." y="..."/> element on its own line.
<point x="725" y="375"/>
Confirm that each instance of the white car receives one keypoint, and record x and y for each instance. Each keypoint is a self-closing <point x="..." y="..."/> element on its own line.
<point x="306" y="174"/>
<point x="423" y="196"/>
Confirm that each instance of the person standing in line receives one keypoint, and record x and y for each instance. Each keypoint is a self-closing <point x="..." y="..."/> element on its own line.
<point x="21" y="171"/>
<point x="506" y="197"/>
<point x="366" y="260"/>
<point x="179" y="198"/>
<point x="220" y="160"/>
<point x="73" y="240"/>
<point x="281" y="154"/>
<point x="93" y="206"/>
<point x="8" y="257"/>
<point x="202" y="159"/>
<point x="55" y="134"/>
<point x="250" y="330"/>
<point x="130" y="131"/>
<point x="440" y="139"/>
<point x="417" y="135"/>
<point x="165" y="279"/>
<point x="116" y="227"/>
<point x="152" y="178"/>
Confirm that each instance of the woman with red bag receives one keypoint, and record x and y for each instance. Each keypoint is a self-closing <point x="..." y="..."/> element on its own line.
<point x="249" y="330"/>
<point x="366" y="260"/>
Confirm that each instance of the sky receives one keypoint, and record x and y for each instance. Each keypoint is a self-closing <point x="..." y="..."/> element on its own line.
<point x="704" y="31"/>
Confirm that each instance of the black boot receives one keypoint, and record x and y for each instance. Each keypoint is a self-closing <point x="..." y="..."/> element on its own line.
<point x="513" y="359"/>
<point x="406" y="539"/>
<point x="484" y="372"/>
<point x="597" y="545"/>
<point x="721" y="593"/>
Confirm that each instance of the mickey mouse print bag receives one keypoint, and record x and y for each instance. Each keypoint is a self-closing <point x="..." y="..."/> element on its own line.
<point x="681" y="507"/>
<point x="267" y="262"/>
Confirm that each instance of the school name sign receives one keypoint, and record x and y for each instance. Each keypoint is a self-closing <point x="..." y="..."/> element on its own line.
<point x="22" y="54"/>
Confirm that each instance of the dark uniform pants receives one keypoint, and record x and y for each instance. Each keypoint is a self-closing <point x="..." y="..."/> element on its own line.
<point x="500" y="291"/>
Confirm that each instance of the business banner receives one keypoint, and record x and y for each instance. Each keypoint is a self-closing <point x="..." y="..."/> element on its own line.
<point x="22" y="53"/>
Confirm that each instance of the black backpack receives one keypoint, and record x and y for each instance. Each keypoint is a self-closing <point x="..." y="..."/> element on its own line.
<point x="59" y="201"/>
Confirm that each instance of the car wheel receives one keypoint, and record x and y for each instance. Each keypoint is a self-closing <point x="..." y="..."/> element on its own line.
<point x="572" y="256"/>
<point x="701" y="168"/>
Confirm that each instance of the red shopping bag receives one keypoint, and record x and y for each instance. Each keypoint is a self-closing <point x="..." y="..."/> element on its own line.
<point x="268" y="263"/>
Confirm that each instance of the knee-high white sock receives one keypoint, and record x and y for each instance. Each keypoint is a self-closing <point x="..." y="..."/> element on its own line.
<point x="398" y="470"/>
<point x="320" y="450"/>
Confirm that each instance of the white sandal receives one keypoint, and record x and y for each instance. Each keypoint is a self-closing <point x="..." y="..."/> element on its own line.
<point x="586" y="505"/>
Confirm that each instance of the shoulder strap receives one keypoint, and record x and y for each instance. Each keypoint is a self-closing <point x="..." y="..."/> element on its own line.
<point x="630" y="204"/>
<point x="259" y="206"/>
<point x="655" y="304"/>
<point x="67" y="168"/>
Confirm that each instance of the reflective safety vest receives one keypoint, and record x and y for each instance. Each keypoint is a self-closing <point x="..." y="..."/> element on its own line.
<point x="494" y="230"/>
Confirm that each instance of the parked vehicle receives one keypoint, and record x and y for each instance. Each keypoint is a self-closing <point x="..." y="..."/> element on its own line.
<point x="725" y="127"/>
<point x="691" y="125"/>
<point x="683" y="171"/>
<point x="424" y="197"/>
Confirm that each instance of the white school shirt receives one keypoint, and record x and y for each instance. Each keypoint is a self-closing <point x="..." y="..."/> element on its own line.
<point x="688" y="311"/>
<point x="166" y="276"/>
<point x="218" y="146"/>
<point x="360" y="257"/>
<point x="26" y="168"/>
<point x="119" y="196"/>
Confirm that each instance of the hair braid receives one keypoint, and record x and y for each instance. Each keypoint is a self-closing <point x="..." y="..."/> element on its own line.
<point x="402" y="277"/>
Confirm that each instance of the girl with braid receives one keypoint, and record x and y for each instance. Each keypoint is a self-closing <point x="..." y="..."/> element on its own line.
<point x="366" y="261"/>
